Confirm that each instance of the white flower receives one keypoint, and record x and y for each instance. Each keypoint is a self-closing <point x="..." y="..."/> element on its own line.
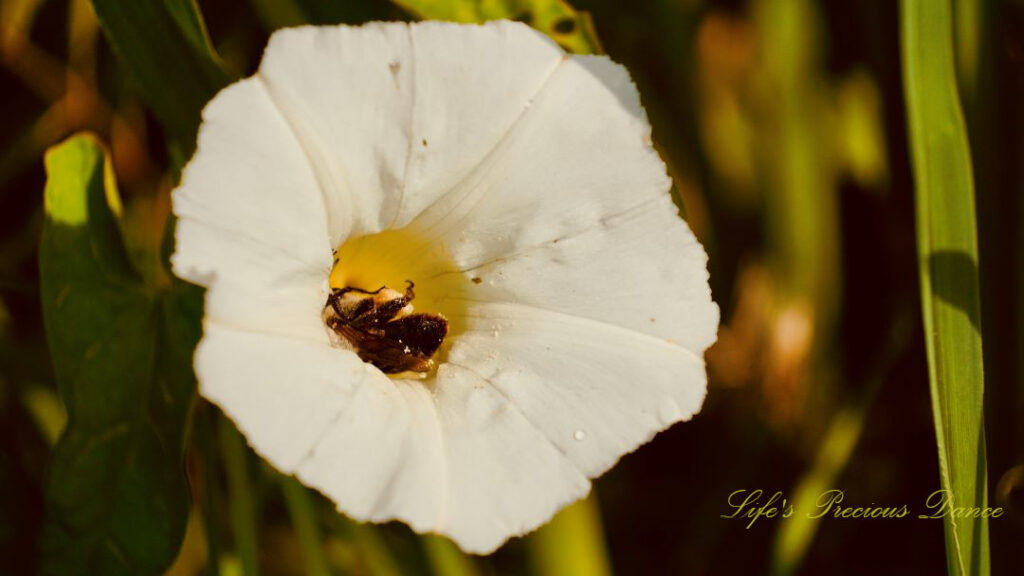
<point x="517" y="187"/>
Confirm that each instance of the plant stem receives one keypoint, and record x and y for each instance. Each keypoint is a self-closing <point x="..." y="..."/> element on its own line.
<point x="240" y="497"/>
<point x="300" y="507"/>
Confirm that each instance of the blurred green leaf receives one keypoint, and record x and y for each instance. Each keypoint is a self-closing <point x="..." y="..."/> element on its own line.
<point x="969" y="17"/>
<point x="845" y="429"/>
<point x="164" y="46"/>
<point x="572" y="544"/>
<point x="445" y="558"/>
<point x="302" y="510"/>
<point x="235" y="454"/>
<point x="116" y="494"/>
<point x="556" y="18"/>
<point x="17" y="17"/>
<point x="276" y="14"/>
<point x="947" y="259"/>
<point x="860" y="134"/>
<point x="802" y="208"/>
<point x="349" y="11"/>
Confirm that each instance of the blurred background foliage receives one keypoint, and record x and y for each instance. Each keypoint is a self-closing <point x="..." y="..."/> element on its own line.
<point x="784" y="126"/>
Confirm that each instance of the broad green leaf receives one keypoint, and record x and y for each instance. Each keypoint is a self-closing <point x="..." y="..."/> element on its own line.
<point x="164" y="46"/>
<point x="556" y="18"/>
<point x="116" y="494"/>
<point x="948" y="265"/>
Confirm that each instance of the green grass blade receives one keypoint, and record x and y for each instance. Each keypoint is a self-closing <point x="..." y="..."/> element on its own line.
<point x="164" y="46"/>
<point x="240" y="496"/>
<point x="947" y="259"/>
<point x="302" y="510"/>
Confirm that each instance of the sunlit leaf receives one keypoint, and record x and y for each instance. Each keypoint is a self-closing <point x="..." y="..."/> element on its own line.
<point x="948" y="265"/>
<point x="116" y="496"/>
<point x="556" y="18"/>
<point x="164" y="46"/>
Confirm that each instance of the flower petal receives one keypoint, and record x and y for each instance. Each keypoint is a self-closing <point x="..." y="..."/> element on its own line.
<point x="346" y="94"/>
<point x="580" y="154"/>
<point x="642" y="270"/>
<point x="381" y="458"/>
<point x="472" y="84"/>
<point x="269" y="264"/>
<point x="431" y="101"/>
<point x="504" y="478"/>
<point x="572" y="213"/>
<point x="283" y="394"/>
<point x="593" y="390"/>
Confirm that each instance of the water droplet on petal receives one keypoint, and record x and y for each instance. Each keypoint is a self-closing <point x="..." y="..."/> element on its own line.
<point x="579" y="435"/>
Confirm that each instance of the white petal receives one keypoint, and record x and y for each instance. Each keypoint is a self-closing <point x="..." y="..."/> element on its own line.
<point x="580" y="154"/>
<point x="381" y="459"/>
<point x="593" y="390"/>
<point x="571" y="212"/>
<point x="251" y="218"/>
<point x="504" y="478"/>
<point x="347" y="95"/>
<point x="641" y="269"/>
<point x="430" y="102"/>
<point x="472" y="84"/>
<point x="283" y="394"/>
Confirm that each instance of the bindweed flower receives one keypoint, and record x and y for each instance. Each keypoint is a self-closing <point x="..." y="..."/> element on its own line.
<point x="446" y="280"/>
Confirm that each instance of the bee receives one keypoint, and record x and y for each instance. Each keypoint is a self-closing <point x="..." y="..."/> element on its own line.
<point x="383" y="329"/>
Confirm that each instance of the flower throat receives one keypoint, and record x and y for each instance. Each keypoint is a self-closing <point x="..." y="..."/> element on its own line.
<point x="367" y="311"/>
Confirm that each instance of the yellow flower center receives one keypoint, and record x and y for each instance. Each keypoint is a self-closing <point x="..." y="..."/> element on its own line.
<point x="394" y="257"/>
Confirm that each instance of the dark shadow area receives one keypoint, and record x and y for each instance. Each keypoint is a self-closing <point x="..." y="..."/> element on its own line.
<point x="954" y="278"/>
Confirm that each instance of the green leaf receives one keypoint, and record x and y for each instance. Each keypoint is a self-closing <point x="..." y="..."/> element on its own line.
<point x="349" y="11"/>
<point x="948" y="266"/>
<point x="556" y="18"/>
<point x="572" y="543"/>
<point x="302" y="509"/>
<point x="164" y="46"/>
<point x="445" y="558"/>
<point x="116" y="493"/>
